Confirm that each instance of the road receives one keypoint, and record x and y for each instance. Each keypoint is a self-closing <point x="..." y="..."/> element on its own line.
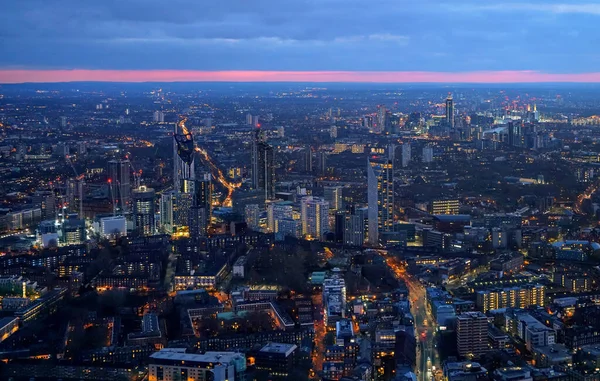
<point x="216" y="171"/>
<point x="218" y="175"/>
<point x="427" y="360"/>
<point x="587" y="194"/>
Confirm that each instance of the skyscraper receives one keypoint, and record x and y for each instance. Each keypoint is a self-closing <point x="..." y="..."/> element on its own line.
<point x="119" y="175"/>
<point x="406" y="154"/>
<point x="263" y="168"/>
<point x="46" y="200"/>
<point x="427" y="154"/>
<point x="167" y="222"/>
<point x="354" y="229"/>
<point x="308" y="159"/>
<point x="514" y="134"/>
<point x="143" y="210"/>
<point x="322" y="163"/>
<point x="315" y="217"/>
<point x="381" y="114"/>
<point x="201" y="210"/>
<point x="252" y="216"/>
<point x="333" y="195"/>
<point x="183" y="156"/>
<point x="450" y="111"/>
<point x="380" y="197"/>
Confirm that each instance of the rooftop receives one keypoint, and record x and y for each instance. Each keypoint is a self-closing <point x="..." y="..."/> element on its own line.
<point x="208" y="357"/>
<point x="287" y="349"/>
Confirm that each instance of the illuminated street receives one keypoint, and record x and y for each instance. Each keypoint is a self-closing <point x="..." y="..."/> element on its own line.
<point x="425" y="330"/>
<point x="216" y="171"/>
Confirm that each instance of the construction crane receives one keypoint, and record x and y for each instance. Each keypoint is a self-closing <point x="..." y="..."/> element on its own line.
<point x="137" y="175"/>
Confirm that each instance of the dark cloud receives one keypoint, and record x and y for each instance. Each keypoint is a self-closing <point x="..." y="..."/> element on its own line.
<point x="299" y="35"/>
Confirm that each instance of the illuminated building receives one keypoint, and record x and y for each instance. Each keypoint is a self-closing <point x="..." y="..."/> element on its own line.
<point x="444" y="207"/>
<point x="276" y="358"/>
<point x="354" y="227"/>
<point x="174" y="364"/>
<point x="521" y="297"/>
<point x="334" y="298"/>
<point x="278" y="211"/>
<point x="333" y="195"/>
<point x="315" y="217"/>
<point x="143" y="211"/>
<point x="472" y="334"/>
<point x="252" y="216"/>
<point x="450" y="111"/>
<point x="8" y="326"/>
<point x="380" y="197"/>
<point x="73" y="231"/>
<point x="175" y="209"/>
<point x="46" y="201"/>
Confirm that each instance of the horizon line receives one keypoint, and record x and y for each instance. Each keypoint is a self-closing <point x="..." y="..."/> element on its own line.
<point x="23" y="76"/>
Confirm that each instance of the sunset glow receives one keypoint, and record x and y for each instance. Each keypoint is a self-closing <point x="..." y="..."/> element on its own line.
<point x="39" y="76"/>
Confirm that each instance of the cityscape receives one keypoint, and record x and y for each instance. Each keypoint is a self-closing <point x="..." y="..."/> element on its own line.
<point x="297" y="232"/>
<point x="299" y="190"/>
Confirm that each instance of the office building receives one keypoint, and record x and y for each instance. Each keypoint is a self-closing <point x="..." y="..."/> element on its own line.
<point x="514" y="134"/>
<point x="46" y="201"/>
<point x="158" y="117"/>
<point x="322" y="163"/>
<point x="427" y="154"/>
<point x="381" y="117"/>
<point x="472" y="334"/>
<point x="175" y="211"/>
<point x="464" y="371"/>
<point x="406" y="154"/>
<point x="444" y="207"/>
<point x="278" y="210"/>
<point x="263" y="167"/>
<point x="517" y="297"/>
<point x="174" y="364"/>
<point x="333" y="195"/>
<point x="308" y="159"/>
<point x="380" y="197"/>
<point x="119" y="177"/>
<point x="315" y="217"/>
<point x="450" y="111"/>
<point x="201" y="209"/>
<point x="287" y="227"/>
<point x="277" y="359"/>
<point x="334" y="298"/>
<point x="114" y="226"/>
<point x="354" y="229"/>
<point x="252" y="216"/>
<point x="73" y="231"/>
<point x="143" y="211"/>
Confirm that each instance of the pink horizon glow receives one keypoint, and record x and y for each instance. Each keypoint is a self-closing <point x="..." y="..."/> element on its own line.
<point x="78" y="75"/>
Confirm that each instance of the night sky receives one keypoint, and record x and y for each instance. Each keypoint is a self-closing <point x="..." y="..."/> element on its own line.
<point x="319" y="40"/>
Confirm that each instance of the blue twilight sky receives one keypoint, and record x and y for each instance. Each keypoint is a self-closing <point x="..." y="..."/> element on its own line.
<point x="397" y="35"/>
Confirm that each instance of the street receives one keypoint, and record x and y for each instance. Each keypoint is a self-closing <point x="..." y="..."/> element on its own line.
<point x="427" y="360"/>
